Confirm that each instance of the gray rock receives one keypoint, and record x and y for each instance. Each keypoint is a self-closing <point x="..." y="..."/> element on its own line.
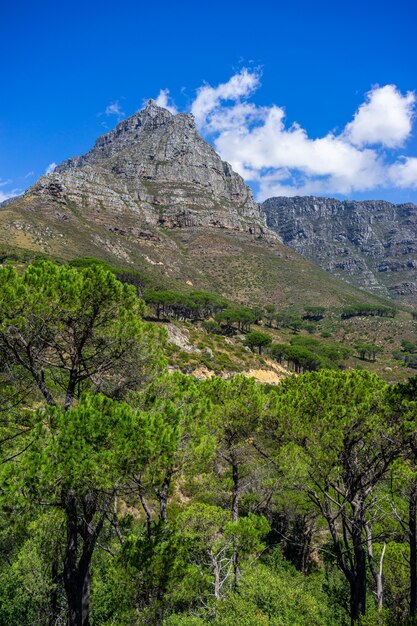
<point x="372" y="244"/>
<point x="155" y="165"/>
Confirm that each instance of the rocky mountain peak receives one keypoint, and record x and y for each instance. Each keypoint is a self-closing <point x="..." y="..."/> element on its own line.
<point x="131" y="133"/>
<point x="156" y="165"/>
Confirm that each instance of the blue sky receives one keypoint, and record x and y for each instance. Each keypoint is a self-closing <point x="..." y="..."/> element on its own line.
<point x="301" y="97"/>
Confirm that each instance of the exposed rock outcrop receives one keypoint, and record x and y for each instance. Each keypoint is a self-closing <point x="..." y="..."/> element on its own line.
<point x="372" y="244"/>
<point x="156" y="166"/>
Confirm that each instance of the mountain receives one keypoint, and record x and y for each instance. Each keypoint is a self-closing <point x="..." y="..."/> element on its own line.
<point x="372" y="244"/>
<point x="152" y="195"/>
<point x="156" y="160"/>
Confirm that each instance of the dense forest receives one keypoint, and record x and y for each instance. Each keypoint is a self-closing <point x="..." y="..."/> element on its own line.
<point x="132" y="494"/>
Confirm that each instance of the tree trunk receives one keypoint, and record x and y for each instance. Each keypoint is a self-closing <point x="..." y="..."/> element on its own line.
<point x="53" y="611"/>
<point x="377" y="574"/>
<point x="71" y="387"/>
<point x="235" y="491"/>
<point x="235" y="517"/>
<point x="216" y="573"/>
<point x="40" y="380"/>
<point x="163" y="493"/>
<point x="412" y="532"/>
<point x="70" y="562"/>
<point x="305" y="556"/>
<point x="86" y="592"/>
<point x="358" y="583"/>
<point x="358" y="593"/>
<point x="77" y="577"/>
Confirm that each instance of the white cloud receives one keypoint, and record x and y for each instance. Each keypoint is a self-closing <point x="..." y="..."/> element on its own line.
<point x="163" y="100"/>
<point x="404" y="173"/>
<point x="284" y="160"/>
<point x="50" y="168"/>
<point x="114" y="109"/>
<point x="385" y="118"/>
<point x="5" y="195"/>
<point x="207" y="103"/>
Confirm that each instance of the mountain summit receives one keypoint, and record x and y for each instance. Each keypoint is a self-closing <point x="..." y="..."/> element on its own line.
<point x="153" y="196"/>
<point x="156" y="166"/>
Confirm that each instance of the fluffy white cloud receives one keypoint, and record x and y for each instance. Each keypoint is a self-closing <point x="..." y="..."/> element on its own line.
<point x="205" y="107"/>
<point x="385" y="118"/>
<point x="114" y="109"/>
<point x="255" y="151"/>
<point x="404" y="173"/>
<point x="284" y="160"/>
<point x="163" y="100"/>
<point x="50" y="168"/>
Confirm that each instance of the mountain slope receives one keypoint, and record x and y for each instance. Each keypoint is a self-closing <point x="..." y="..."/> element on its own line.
<point x="153" y="195"/>
<point x="370" y="243"/>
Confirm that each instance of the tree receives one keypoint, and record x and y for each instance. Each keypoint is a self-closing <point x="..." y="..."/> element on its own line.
<point x="64" y="330"/>
<point x="277" y="351"/>
<point x="408" y="346"/>
<point x="369" y="350"/>
<point x="238" y="407"/>
<point x="77" y="464"/>
<point x="270" y="313"/>
<point x="211" y="540"/>
<point x="257" y="339"/>
<point x="302" y="359"/>
<point x="340" y="431"/>
<point x="178" y="401"/>
<point x="194" y="305"/>
<point x="314" y="313"/>
<point x="242" y="318"/>
<point x="403" y="400"/>
<point x="295" y="323"/>
<point x="373" y="310"/>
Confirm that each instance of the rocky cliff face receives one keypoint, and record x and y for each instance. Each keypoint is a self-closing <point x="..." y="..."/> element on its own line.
<point x="155" y="166"/>
<point x="372" y="244"/>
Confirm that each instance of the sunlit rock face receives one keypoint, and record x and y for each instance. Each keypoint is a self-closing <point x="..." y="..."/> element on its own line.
<point x="372" y="243"/>
<point x="154" y="165"/>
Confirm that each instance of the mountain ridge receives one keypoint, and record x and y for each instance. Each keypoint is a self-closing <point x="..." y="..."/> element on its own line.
<point x="154" y="196"/>
<point x="370" y="243"/>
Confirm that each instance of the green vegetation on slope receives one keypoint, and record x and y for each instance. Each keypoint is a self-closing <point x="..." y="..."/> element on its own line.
<point x="133" y="495"/>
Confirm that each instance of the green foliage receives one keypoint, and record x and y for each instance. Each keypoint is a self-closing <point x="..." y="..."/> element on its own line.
<point x="341" y="441"/>
<point x="61" y="329"/>
<point x="193" y="306"/>
<point x="257" y="339"/>
<point x="306" y="354"/>
<point x="368" y="350"/>
<point x="269" y="596"/>
<point x="89" y="446"/>
<point x="212" y="327"/>
<point x="368" y="310"/>
<point x="314" y="313"/>
<point x="174" y="493"/>
<point x="241" y="318"/>
<point x="408" y="346"/>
